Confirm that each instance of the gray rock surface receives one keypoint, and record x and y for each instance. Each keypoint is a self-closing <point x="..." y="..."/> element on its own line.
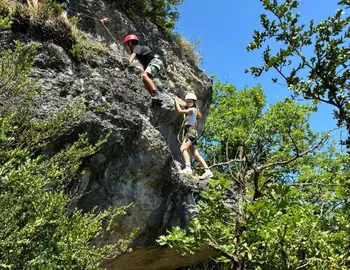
<point x="139" y="162"/>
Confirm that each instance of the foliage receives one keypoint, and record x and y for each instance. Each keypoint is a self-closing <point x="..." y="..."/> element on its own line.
<point x="162" y="12"/>
<point x="48" y="20"/>
<point x="322" y="76"/>
<point x="213" y="220"/>
<point x="17" y="88"/>
<point x="38" y="231"/>
<point x="302" y="223"/>
<point x="241" y="129"/>
<point x="281" y="198"/>
<point x="82" y="48"/>
<point x="293" y="226"/>
<point x="46" y="10"/>
<point x="188" y="49"/>
<point x="5" y="17"/>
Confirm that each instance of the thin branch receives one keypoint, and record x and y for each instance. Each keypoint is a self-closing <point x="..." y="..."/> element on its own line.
<point x="281" y="73"/>
<point x="322" y="140"/>
<point x="331" y="209"/>
<point x="316" y="184"/>
<point x="304" y="265"/>
<point x="229" y="167"/>
<point x="321" y="213"/>
<point x="290" y="135"/>
<point x="251" y="134"/>
<point x="227" y="162"/>
<point x="268" y="180"/>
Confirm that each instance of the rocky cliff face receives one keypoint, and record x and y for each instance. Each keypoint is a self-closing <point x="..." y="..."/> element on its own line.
<point x="139" y="162"/>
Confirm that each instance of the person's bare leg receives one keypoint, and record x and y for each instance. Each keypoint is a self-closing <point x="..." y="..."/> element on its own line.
<point x="198" y="157"/>
<point x="184" y="151"/>
<point x="184" y="146"/>
<point x="207" y="173"/>
<point x="149" y="85"/>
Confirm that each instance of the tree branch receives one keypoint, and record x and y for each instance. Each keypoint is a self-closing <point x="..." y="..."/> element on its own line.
<point x="316" y="184"/>
<point x="227" y="162"/>
<point x="227" y="154"/>
<point x="322" y="140"/>
<point x="290" y="135"/>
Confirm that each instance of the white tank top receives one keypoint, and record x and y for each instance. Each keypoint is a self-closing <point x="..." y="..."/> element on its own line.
<point x="191" y="119"/>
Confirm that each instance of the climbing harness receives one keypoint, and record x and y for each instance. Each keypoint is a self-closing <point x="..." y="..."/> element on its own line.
<point x="181" y="133"/>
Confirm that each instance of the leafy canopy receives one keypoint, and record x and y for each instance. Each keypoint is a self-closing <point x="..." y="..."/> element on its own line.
<point x="313" y="59"/>
<point x="280" y="198"/>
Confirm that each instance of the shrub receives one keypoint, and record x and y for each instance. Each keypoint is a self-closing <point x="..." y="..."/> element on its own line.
<point x="47" y="22"/>
<point x="162" y="12"/>
<point x="37" y="229"/>
<point x="5" y="17"/>
<point x="82" y="48"/>
<point x="188" y="49"/>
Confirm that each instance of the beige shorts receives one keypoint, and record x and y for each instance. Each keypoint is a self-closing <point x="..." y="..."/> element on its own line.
<point x="154" y="67"/>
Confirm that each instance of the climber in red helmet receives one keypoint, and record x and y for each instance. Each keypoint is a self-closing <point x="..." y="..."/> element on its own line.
<point x="151" y="62"/>
<point x="193" y="114"/>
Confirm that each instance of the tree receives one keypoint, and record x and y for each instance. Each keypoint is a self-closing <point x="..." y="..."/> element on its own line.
<point x="281" y="197"/>
<point x="38" y="231"/>
<point x="324" y="75"/>
<point x="164" y="13"/>
<point x="280" y="201"/>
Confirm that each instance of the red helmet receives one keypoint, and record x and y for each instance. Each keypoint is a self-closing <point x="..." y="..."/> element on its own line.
<point x="130" y="37"/>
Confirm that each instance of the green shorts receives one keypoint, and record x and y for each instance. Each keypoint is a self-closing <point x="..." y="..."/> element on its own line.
<point x="191" y="134"/>
<point x="154" y="67"/>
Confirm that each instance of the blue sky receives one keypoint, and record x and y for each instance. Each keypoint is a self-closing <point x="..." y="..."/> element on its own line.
<point x="226" y="27"/>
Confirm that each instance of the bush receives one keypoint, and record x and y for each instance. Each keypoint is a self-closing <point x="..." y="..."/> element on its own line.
<point x="48" y="23"/>
<point x="188" y="49"/>
<point x="37" y="230"/>
<point x="5" y="17"/>
<point x="82" y="48"/>
<point x="162" y="12"/>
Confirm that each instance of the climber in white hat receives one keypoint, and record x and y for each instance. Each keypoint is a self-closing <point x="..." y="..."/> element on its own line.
<point x="193" y="114"/>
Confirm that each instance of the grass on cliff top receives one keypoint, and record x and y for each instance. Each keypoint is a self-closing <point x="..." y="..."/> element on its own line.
<point x="48" y="22"/>
<point x="188" y="49"/>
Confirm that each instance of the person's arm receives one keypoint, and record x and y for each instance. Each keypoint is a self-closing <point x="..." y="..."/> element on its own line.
<point x="132" y="57"/>
<point x="105" y="20"/>
<point x="136" y="50"/>
<point x="180" y="110"/>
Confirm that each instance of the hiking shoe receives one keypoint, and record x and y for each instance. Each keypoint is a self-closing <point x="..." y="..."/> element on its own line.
<point x="155" y="93"/>
<point x="156" y="98"/>
<point x="206" y="175"/>
<point x="159" y="89"/>
<point x="187" y="171"/>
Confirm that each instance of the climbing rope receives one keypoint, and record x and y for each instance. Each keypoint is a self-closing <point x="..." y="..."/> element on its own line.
<point x="182" y="131"/>
<point x="78" y="13"/>
<point x="109" y="32"/>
